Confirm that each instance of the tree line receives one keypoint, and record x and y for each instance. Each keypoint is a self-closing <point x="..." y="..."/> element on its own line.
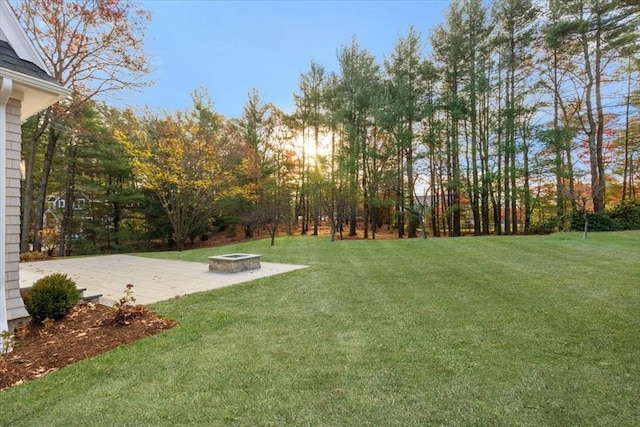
<point x="521" y="115"/>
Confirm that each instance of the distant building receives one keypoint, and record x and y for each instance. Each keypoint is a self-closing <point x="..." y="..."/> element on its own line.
<point x="56" y="206"/>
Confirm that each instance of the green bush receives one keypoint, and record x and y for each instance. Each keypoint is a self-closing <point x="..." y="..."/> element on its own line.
<point x="627" y="214"/>
<point x="547" y="226"/>
<point x="597" y="222"/>
<point x="51" y="297"/>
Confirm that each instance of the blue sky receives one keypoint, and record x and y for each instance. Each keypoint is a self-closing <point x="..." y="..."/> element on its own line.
<point x="229" y="47"/>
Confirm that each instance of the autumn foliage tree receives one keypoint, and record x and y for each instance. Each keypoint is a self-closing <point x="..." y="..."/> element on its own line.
<point x="176" y="158"/>
<point x="94" y="47"/>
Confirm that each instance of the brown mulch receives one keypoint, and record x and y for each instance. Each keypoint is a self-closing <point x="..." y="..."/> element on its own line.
<point x="87" y="331"/>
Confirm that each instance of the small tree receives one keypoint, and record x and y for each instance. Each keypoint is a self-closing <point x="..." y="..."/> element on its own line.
<point x="583" y="204"/>
<point x="582" y="196"/>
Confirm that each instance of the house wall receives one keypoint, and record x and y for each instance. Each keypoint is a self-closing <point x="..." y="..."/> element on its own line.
<point x="15" y="305"/>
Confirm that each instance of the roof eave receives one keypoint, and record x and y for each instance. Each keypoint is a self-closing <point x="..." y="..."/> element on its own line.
<point x="38" y="94"/>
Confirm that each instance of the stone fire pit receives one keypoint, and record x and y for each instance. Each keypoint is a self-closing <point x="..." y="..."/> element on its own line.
<point x="233" y="263"/>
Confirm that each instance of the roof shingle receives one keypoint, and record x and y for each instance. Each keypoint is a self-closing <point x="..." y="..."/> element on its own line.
<point x="11" y="61"/>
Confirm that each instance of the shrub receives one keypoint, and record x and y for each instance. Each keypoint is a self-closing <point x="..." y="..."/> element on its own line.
<point x="602" y="222"/>
<point x="597" y="222"/>
<point x="51" y="297"/>
<point x="547" y="226"/>
<point x="84" y="246"/>
<point x="33" y="256"/>
<point x="627" y="214"/>
<point x="126" y="310"/>
<point x="49" y="238"/>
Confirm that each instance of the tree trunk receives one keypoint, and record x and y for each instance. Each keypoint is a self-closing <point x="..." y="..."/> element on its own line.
<point x="365" y="217"/>
<point x="558" y="141"/>
<point x="507" y="189"/>
<point x="592" y="130"/>
<point x="66" y="225"/>
<point x="626" y="176"/>
<point x="374" y="222"/>
<point x="484" y="167"/>
<point x="353" y="219"/>
<point x="475" y="191"/>
<point x="497" y="200"/>
<point x="434" y="194"/>
<point x="514" y="188"/>
<point x="412" y="231"/>
<point x="527" y="191"/>
<point x="400" y="195"/>
<point x="316" y="218"/>
<point x="179" y="243"/>
<point x="585" y="217"/>
<point x="42" y="188"/>
<point x="455" y="151"/>
<point x="27" y="201"/>
<point x="316" y="160"/>
<point x="600" y="190"/>
<point x="117" y="216"/>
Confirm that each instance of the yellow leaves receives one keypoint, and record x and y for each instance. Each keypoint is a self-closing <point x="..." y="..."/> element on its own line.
<point x="173" y="152"/>
<point x="121" y="138"/>
<point x="248" y="192"/>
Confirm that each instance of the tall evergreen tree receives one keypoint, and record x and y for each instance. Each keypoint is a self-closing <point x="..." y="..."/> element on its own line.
<point x="404" y="112"/>
<point x="256" y="128"/>
<point x="309" y="110"/>
<point x="448" y="41"/>
<point x="357" y="86"/>
<point x="515" y="21"/>
<point x="476" y="52"/>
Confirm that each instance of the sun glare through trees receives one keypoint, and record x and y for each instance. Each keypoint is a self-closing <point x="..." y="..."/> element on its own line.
<point x="524" y="117"/>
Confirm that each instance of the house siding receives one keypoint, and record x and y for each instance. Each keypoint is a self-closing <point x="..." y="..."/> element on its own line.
<point x="15" y="305"/>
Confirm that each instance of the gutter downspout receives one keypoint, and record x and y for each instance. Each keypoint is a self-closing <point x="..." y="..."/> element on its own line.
<point x="6" y="86"/>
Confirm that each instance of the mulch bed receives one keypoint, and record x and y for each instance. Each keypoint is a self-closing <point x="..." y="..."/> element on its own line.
<point x="89" y="330"/>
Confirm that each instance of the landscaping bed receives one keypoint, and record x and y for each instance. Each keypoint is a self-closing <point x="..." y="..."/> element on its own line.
<point x="89" y="330"/>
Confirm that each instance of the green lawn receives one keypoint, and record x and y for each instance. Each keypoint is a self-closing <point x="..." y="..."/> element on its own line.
<point x="469" y="331"/>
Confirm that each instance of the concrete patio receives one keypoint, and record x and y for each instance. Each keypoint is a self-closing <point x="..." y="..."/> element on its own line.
<point x="153" y="279"/>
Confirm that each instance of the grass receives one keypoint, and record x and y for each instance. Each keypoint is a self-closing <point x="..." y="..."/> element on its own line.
<point x="470" y="331"/>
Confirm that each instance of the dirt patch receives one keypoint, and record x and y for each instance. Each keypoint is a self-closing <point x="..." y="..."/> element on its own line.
<point x="87" y="331"/>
